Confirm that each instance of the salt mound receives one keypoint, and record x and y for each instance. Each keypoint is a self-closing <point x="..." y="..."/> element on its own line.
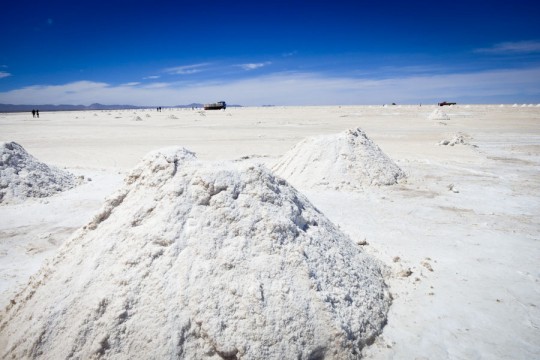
<point x="438" y="114"/>
<point x="457" y="139"/>
<point x="348" y="160"/>
<point x="173" y="117"/>
<point x="196" y="260"/>
<point x="23" y="176"/>
<point x="137" y="118"/>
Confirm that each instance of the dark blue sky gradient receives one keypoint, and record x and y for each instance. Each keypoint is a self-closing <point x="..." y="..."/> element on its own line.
<point x="57" y="42"/>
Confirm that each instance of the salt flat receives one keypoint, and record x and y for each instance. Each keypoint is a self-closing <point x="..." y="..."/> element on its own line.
<point x="459" y="237"/>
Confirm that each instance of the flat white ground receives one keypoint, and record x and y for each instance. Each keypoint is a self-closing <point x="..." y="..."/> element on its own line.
<point x="465" y="222"/>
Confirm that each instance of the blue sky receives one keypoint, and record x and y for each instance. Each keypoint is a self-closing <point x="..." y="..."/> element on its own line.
<point x="274" y="52"/>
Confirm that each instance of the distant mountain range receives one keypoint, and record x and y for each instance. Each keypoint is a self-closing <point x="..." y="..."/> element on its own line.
<point x="48" y="107"/>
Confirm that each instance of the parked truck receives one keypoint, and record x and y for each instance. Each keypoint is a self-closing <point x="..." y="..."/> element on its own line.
<point x="215" y="106"/>
<point x="446" y="103"/>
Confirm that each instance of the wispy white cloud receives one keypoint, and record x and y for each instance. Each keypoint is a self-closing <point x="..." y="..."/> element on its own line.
<point x="151" y="77"/>
<point x="296" y="89"/>
<point x="186" y="69"/>
<point x="133" y="83"/>
<point x="288" y="54"/>
<point x="253" y="66"/>
<point x="409" y="69"/>
<point x="156" y="85"/>
<point x="4" y="74"/>
<point x="517" y="47"/>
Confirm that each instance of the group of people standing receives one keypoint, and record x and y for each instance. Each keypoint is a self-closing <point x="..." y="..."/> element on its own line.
<point x="35" y="113"/>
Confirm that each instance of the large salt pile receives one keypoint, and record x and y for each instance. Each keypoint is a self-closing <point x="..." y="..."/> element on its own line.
<point x="438" y="114"/>
<point x="23" y="176"/>
<point x="348" y="161"/>
<point x="201" y="260"/>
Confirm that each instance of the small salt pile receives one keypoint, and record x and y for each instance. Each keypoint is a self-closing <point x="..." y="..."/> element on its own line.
<point x="438" y="114"/>
<point x="457" y="139"/>
<point x="344" y="161"/>
<point x="22" y="176"/>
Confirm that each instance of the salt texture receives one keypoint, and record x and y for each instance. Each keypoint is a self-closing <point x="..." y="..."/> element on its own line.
<point x="438" y="114"/>
<point x="23" y="176"/>
<point x="201" y="260"/>
<point x="348" y="161"/>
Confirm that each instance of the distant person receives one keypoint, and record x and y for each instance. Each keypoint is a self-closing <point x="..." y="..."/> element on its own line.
<point x="33" y="113"/>
<point x="37" y="113"/>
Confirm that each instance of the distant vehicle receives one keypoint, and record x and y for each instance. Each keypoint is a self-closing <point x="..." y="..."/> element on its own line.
<point x="445" y="103"/>
<point x="215" y="106"/>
